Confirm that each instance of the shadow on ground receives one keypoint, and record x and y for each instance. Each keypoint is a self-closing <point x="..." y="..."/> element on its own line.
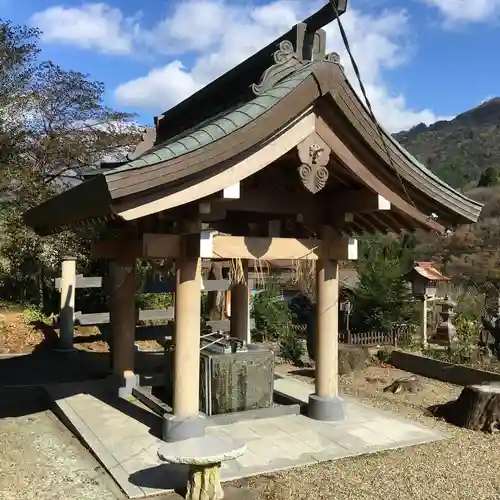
<point x="304" y="372"/>
<point x="162" y="477"/>
<point x="445" y="411"/>
<point x="22" y="401"/>
<point x="77" y="371"/>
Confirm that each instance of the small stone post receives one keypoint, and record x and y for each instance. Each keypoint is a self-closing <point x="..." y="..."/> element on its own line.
<point x="67" y="314"/>
<point x="423" y="324"/>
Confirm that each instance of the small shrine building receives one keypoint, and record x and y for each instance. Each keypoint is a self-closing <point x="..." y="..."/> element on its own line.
<point x="276" y="159"/>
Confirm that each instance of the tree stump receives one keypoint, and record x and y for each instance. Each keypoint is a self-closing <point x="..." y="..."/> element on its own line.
<point x="409" y="384"/>
<point x="477" y="408"/>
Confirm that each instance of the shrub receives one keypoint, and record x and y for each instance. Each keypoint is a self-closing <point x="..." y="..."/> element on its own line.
<point x="291" y="346"/>
<point x="33" y="314"/>
<point x="154" y="300"/>
<point x="382" y="297"/>
<point x="275" y="321"/>
<point x="270" y="314"/>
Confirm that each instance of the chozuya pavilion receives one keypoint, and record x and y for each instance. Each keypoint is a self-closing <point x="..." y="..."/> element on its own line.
<point x="276" y="159"/>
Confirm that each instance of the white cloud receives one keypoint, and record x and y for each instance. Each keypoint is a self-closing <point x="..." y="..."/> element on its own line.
<point x="202" y="39"/>
<point x="159" y="89"/>
<point x="92" y="26"/>
<point x="466" y="11"/>
<point x="379" y="43"/>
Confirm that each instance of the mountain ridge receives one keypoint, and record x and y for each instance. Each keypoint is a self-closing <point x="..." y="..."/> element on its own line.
<point x="459" y="150"/>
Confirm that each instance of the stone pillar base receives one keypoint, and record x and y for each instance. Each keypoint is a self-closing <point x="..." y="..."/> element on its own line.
<point x="326" y="409"/>
<point x="204" y="483"/>
<point x="65" y="350"/>
<point x="178" y="429"/>
<point x="124" y="384"/>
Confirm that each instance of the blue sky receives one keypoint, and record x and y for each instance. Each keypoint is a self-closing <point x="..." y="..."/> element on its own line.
<point x="421" y="60"/>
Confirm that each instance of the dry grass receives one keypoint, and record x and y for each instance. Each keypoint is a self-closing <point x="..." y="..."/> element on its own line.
<point x="463" y="467"/>
<point x="18" y="337"/>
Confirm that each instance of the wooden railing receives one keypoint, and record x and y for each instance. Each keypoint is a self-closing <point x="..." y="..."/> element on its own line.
<point x="163" y="315"/>
<point x="398" y="334"/>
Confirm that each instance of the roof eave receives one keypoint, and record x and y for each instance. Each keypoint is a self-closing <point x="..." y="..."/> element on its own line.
<point x="464" y="209"/>
<point x="88" y="200"/>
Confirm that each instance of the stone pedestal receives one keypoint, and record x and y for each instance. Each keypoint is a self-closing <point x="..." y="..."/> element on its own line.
<point x="204" y="482"/>
<point x="204" y="456"/>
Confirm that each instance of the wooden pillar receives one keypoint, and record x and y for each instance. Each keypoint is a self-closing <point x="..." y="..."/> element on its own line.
<point x="240" y="307"/>
<point x="122" y="322"/>
<point x="67" y="314"/>
<point x="325" y="403"/>
<point x="186" y="421"/>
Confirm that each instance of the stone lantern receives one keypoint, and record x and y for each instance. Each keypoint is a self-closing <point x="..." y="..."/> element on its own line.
<point x="424" y="278"/>
<point x="446" y="333"/>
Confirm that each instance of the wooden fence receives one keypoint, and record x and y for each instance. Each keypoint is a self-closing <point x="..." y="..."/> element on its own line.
<point x="164" y="315"/>
<point x="399" y="334"/>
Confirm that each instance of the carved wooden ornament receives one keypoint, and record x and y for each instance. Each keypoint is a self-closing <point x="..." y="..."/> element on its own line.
<point x="314" y="155"/>
<point x="148" y="138"/>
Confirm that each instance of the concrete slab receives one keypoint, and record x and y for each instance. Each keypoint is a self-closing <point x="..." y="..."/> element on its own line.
<point x="122" y="435"/>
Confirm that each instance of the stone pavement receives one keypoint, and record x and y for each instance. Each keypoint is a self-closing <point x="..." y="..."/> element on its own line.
<point x="125" y="437"/>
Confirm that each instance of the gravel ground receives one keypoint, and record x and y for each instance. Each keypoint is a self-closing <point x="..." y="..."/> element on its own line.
<point x="463" y="467"/>
<point x="40" y="459"/>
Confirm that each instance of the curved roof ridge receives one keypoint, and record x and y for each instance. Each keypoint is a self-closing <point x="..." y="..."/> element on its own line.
<point x="472" y="206"/>
<point x="425" y="170"/>
<point x="220" y="125"/>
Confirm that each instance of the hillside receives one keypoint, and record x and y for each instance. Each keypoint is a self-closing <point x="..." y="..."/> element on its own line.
<point x="459" y="150"/>
<point x="462" y="151"/>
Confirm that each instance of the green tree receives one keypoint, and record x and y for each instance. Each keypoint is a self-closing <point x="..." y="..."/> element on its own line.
<point x="53" y="125"/>
<point x="381" y="297"/>
<point x="18" y="55"/>
<point x="490" y="177"/>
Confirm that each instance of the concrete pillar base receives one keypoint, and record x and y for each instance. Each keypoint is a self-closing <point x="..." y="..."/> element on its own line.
<point x="178" y="429"/>
<point x="65" y="350"/>
<point x="125" y="384"/>
<point x="326" y="409"/>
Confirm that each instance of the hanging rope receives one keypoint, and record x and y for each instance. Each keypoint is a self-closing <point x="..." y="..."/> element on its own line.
<point x="355" y="67"/>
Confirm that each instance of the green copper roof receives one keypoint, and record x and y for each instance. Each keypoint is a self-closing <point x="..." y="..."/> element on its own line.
<point x="220" y="126"/>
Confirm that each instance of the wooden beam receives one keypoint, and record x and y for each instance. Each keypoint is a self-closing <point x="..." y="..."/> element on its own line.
<point x="82" y="282"/>
<point x="304" y="205"/>
<point x="273" y="201"/>
<point x="342" y="248"/>
<point x="366" y="176"/>
<point x="161" y="246"/>
<point x="217" y="246"/>
<point x="232" y="192"/>
<point x="168" y="286"/>
<point x="116" y="249"/>
<point x="358" y="201"/>
<point x="209" y="244"/>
